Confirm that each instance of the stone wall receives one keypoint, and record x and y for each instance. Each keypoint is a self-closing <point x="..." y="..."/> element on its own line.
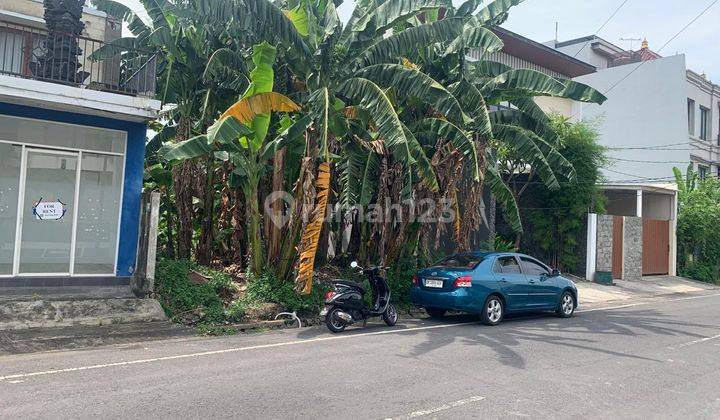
<point x="633" y="248"/>
<point x="604" y="243"/>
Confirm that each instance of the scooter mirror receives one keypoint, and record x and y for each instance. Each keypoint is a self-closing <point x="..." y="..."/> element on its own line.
<point x="354" y="264"/>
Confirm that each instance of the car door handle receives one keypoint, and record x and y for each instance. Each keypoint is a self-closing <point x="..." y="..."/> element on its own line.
<point x="503" y="280"/>
<point x="532" y="281"/>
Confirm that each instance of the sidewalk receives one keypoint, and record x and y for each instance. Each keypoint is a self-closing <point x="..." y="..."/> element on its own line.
<point x="625" y="291"/>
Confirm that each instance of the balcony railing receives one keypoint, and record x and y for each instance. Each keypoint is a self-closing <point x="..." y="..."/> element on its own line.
<point x="33" y="54"/>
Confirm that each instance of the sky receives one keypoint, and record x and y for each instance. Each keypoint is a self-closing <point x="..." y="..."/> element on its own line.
<point x="656" y="20"/>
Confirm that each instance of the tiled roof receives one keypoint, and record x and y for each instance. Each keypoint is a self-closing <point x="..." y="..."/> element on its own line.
<point x="646" y="54"/>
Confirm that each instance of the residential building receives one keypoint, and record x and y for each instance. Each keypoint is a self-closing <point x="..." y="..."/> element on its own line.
<point x="71" y="151"/>
<point x="520" y="52"/>
<point x="659" y="115"/>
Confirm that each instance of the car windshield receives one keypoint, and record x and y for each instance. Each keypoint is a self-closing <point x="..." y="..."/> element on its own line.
<point x="467" y="262"/>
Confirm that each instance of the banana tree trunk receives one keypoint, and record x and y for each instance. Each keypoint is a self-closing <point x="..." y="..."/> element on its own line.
<point x="238" y="221"/>
<point x="278" y="185"/>
<point x="169" y="224"/>
<point x="204" y="250"/>
<point x="304" y="200"/>
<point x="311" y="234"/>
<point x="182" y="184"/>
<point x="288" y="250"/>
<point x="252" y="210"/>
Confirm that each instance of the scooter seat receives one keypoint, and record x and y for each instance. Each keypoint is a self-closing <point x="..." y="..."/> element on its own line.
<point x="349" y="284"/>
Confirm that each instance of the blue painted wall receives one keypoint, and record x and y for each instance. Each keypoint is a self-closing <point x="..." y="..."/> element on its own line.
<point x="134" y="163"/>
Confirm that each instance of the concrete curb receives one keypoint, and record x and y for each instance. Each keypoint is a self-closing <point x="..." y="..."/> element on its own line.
<point x="17" y="315"/>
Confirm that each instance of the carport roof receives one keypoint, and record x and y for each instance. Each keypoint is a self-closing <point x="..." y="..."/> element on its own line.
<point x="669" y="188"/>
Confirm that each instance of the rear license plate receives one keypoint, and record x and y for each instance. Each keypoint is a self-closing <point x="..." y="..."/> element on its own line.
<point x="437" y="284"/>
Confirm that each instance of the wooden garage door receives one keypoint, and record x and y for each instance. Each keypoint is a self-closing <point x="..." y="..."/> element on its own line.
<point x="656" y="247"/>
<point x="617" y="247"/>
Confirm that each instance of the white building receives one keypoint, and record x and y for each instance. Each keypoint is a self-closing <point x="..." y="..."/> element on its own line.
<point x="659" y="114"/>
<point x="72" y="146"/>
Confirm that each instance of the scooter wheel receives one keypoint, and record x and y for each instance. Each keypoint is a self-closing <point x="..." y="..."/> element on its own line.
<point x="333" y="321"/>
<point x="390" y="316"/>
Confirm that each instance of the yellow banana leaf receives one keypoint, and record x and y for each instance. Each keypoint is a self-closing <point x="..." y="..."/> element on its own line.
<point x="311" y="236"/>
<point x="261" y="103"/>
<point x="409" y="64"/>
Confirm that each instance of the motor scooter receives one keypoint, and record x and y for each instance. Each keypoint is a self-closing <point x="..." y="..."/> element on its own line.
<point x="345" y="303"/>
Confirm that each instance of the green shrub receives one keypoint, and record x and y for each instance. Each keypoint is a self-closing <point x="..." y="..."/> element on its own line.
<point x="697" y="227"/>
<point x="178" y="295"/>
<point x="266" y="288"/>
<point x="706" y="272"/>
<point x="219" y="281"/>
<point x="400" y="279"/>
<point x="236" y="310"/>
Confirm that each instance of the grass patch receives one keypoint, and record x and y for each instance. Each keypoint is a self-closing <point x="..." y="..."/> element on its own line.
<point x="212" y="307"/>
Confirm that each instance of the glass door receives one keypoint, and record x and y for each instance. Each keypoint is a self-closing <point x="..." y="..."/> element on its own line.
<point x="10" y="164"/>
<point x="50" y="180"/>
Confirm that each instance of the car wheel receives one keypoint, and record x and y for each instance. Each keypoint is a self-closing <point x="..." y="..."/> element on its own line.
<point x="566" y="307"/>
<point x="493" y="311"/>
<point x="435" y="313"/>
<point x="334" y="322"/>
<point x="390" y="316"/>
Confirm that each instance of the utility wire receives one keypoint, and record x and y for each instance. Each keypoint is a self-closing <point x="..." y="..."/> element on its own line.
<point x="603" y="26"/>
<point x="652" y="147"/>
<point x="713" y="3"/>
<point x="634" y="175"/>
<point x="648" y="161"/>
<point x="642" y="63"/>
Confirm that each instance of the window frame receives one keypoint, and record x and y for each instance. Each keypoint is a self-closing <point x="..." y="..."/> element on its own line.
<point x="497" y="262"/>
<point x="703" y="171"/>
<point x="547" y="269"/>
<point x="704" y="123"/>
<point x="455" y="256"/>
<point x="691" y="116"/>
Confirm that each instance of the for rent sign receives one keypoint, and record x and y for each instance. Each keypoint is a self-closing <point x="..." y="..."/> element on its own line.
<point x="49" y="210"/>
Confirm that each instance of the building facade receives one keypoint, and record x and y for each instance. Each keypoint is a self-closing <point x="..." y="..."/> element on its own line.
<point x="71" y="151"/>
<point x="659" y="114"/>
<point x="649" y="125"/>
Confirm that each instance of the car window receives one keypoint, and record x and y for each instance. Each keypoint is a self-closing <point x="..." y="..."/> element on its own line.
<point x="507" y="265"/>
<point x="532" y="267"/>
<point x="459" y="261"/>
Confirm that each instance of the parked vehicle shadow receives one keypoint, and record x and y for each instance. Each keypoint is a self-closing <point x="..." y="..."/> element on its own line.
<point x="586" y="331"/>
<point x="579" y="333"/>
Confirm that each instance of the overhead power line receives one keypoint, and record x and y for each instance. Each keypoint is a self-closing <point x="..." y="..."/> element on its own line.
<point x="642" y="63"/>
<point x="649" y="161"/>
<point x="701" y="14"/>
<point x="615" y="12"/>
<point x="653" y="147"/>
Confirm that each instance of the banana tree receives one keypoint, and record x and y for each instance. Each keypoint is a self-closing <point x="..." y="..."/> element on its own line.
<point x="184" y="38"/>
<point x="238" y="137"/>
<point x="201" y="47"/>
<point x="358" y="89"/>
<point x="505" y="119"/>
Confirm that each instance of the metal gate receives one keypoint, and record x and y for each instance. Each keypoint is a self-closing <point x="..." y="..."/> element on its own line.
<point x="617" y="247"/>
<point x="656" y="247"/>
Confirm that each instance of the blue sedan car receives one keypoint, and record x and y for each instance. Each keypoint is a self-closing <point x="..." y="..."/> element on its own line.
<point x="492" y="284"/>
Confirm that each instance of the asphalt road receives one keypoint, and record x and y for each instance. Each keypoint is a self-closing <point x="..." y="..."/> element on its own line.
<point x="653" y="360"/>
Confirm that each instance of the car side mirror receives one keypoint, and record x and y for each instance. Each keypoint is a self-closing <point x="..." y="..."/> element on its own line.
<point x="555" y="273"/>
